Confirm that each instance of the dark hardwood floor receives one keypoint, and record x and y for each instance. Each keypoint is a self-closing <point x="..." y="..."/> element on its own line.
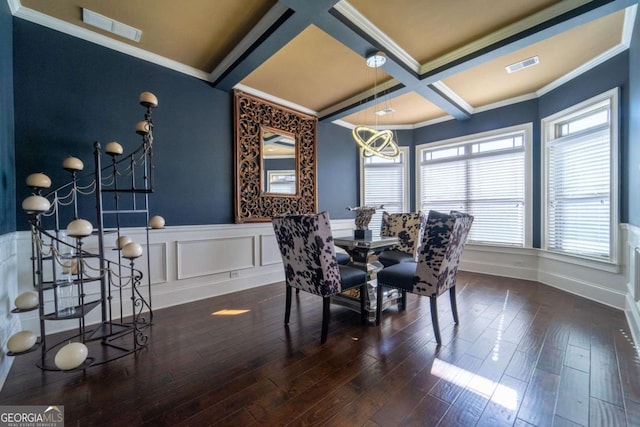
<point x="524" y="354"/>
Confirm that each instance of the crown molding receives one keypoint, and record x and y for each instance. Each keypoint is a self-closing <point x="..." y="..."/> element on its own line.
<point x="14" y="6"/>
<point x="390" y="46"/>
<point x="247" y="41"/>
<point x="627" y="27"/>
<point x="275" y="100"/>
<point x="506" y="102"/>
<point x="454" y="97"/>
<point x="502" y="34"/>
<point x="90" y="36"/>
<point x="582" y="69"/>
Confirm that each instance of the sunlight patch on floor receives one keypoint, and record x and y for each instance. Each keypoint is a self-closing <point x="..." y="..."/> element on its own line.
<point x="500" y="394"/>
<point x="229" y="312"/>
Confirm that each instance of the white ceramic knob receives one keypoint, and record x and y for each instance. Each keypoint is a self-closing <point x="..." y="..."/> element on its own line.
<point x="113" y="148"/>
<point x="21" y="341"/>
<point x="122" y="241"/>
<point x="27" y="300"/>
<point x="142" y="128"/>
<point x="156" y="222"/>
<point x="132" y="250"/>
<point x="79" y="228"/>
<point x="71" y="356"/>
<point x="73" y="164"/>
<point x="35" y="204"/>
<point x="148" y="99"/>
<point x="38" y="180"/>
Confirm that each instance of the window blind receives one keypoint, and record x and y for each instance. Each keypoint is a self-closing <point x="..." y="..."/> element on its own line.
<point x="485" y="179"/>
<point x="578" y="193"/>
<point x="385" y="184"/>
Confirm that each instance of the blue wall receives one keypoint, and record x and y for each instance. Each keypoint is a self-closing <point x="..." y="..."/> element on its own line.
<point x="338" y="184"/>
<point x="7" y="175"/>
<point x="70" y="93"/>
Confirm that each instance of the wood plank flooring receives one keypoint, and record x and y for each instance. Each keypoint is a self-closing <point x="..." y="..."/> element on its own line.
<point x="524" y="354"/>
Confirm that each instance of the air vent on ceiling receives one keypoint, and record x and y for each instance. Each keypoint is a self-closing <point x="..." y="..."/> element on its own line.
<point x="522" y="64"/>
<point x="118" y="28"/>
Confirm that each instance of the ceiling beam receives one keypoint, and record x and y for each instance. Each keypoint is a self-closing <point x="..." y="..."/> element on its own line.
<point x="283" y="23"/>
<point x="414" y="78"/>
<point x="288" y="18"/>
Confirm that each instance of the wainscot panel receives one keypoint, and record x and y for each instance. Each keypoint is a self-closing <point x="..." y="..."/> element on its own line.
<point x="269" y="251"/>
<point x="204" y="257"/>
<point x="632" y="303"/>
<point x="9" y="322"/>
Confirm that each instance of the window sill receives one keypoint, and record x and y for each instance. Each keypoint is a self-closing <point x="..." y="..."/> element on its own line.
<point x="607" y="266"/>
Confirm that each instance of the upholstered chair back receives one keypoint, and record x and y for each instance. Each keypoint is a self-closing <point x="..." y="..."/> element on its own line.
<point x="306" y="246"/>
<point x="443" y="242"/>
<point x="407" y="227"/>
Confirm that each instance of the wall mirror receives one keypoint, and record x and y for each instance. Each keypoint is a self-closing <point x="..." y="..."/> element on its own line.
<point x="275" y="160"/>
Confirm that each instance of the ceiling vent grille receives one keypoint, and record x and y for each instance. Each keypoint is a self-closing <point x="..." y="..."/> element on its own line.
<point x="526" y="63"/>
<point x="104" y="23"/>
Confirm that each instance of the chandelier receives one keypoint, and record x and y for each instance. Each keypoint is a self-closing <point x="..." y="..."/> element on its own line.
<point x="372" y="140"/>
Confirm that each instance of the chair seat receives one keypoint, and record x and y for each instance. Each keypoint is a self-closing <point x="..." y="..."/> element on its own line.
<point x="392" y="256"/>
<point x="343" y="258"/>
<point x="351" y="277"/>
<point x="401" y="276"/>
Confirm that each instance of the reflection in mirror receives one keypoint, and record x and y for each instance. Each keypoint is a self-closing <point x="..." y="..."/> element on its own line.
<point x="278" y="161"/>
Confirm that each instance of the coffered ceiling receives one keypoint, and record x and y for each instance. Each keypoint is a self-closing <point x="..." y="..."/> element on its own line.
<point x="445" y="59"/>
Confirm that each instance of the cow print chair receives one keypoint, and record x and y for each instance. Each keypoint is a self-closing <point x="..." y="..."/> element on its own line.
<point x="408" y="228"/>
<point x="437" y="266"/>
<point x="310" y="264"/>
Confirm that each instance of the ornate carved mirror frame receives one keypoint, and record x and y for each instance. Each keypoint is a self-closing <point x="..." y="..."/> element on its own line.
<point x="251" y="114"/>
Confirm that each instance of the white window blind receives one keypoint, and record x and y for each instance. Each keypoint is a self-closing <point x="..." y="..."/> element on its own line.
<point x="385" y="182"/>
<point x="485" y="177"/>
<point x="579" y="187"/>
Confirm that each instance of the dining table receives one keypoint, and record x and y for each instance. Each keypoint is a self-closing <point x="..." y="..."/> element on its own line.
<point x="364" y="255"/>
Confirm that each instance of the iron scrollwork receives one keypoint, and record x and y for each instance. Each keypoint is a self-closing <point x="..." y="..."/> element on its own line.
<point x="251" y="114"/>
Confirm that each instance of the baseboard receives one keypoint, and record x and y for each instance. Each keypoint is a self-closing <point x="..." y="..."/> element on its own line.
<point x="632" y="313"/>
<point x="525" y="273"/>
<point x="591" y="291"/>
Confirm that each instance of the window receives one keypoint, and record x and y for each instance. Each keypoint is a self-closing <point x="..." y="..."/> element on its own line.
<point x="385" y="182"/>
<point x="281" y="181"/>
<point x="486" y="175"/>
<point x="580" y="181"/>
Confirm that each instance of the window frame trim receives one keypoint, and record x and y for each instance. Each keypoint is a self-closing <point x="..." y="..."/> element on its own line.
<point x="548" y="128"/>
<point x="404" y="150"/>
<point x="527" y="130"/>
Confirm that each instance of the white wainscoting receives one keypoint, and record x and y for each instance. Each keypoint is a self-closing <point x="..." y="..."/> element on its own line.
<point x="632" y="302"/>
<point x="194" y="262"/>
<point x="187" y="263"/>
<point x="9" y="322"/>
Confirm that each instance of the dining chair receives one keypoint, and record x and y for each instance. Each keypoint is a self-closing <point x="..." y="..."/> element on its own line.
<point x="310" y="264"/>
<point x="437" y="266"/>
<point x="408" y="228"/>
